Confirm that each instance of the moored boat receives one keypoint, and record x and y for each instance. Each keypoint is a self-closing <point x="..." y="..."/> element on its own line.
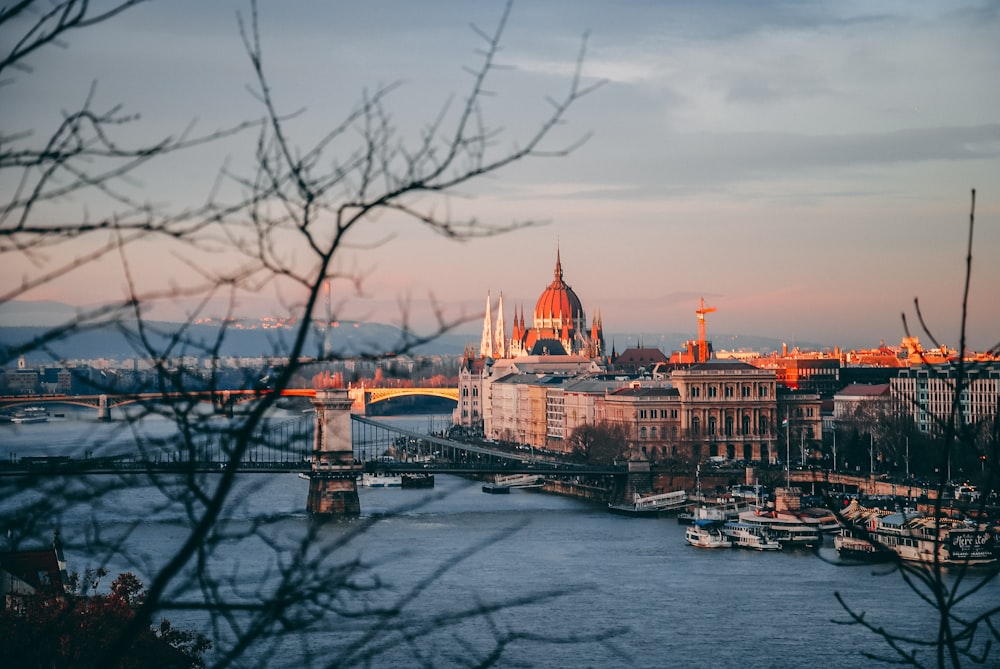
<point x="787" y="529"/>
<point x="30" y="415"/>
<point x="650" y="506"/>
<point x="753" y="537"/>
<point x="381" y="480"/>
<point x="496" y="488"/>
<point x="948" y="541"/>
<point x="720" y="510"/>
<point x="851" y="544"/>
<point x="706" y="534"/>
<point x="417" y="480"/>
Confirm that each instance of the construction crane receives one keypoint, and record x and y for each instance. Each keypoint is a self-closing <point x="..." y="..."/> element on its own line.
<point x="702" y="343"/>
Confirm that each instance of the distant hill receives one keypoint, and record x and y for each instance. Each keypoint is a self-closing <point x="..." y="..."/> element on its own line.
<point x="23" y="322"/>
<point x="115" y="343"/>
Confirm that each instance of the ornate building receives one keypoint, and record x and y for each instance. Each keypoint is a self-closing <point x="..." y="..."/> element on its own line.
<point x="558" y="326"/>
<point x="558" y="341"/>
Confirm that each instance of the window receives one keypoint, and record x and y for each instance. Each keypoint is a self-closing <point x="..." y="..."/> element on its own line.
<point x="695" y="426"/>
<point x="729" y="426"/>
<point x="762" y="390"/>
<point x="729" y="391"/>
<point x="713" y="391"/>
<point x="745" y="391"/>
<point x="695" y="391"/>
<point x="642" y="433"/>
<point x="712" y="425"/>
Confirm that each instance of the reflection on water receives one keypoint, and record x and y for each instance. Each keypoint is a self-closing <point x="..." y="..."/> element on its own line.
<point x="678" y="606"/>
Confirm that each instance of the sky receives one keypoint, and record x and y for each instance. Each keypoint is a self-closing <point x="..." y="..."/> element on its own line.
<point x="805" y="167"/>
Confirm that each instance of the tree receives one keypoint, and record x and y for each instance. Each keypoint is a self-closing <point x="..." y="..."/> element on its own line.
<point x="962" y="637"/>
<point x="55" y="628"/>
<point x="289" y="215"/>
<point x="599" y="444"/>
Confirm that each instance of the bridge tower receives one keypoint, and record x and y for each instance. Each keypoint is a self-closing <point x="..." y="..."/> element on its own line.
<point x="103" y="408"/>
<point x="333" y="485"/>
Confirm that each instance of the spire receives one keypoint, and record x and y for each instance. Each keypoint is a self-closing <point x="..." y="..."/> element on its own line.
<point x="559" y="272"/>
<point x="500" y="334"/>
<point x="486" y="345"/>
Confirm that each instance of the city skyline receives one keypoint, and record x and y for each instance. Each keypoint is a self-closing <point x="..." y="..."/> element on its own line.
<point x="805" y="168"/>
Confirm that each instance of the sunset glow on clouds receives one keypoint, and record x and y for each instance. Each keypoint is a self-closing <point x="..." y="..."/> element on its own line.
<point x="806" y="167"/>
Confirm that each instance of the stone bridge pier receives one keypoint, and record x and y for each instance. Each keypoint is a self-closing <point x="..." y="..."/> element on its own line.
<point x="103" y="408"/>
<point x="333" y="485"/>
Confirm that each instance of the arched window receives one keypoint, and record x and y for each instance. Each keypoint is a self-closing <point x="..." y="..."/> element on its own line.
<point x="642" y="433"/>
<point x="746" y="425"/>
<point x="712" y="425"/>
<point x="695" y="425"/>
<point x="729" y="426"/>
<point x="652" y="433"/>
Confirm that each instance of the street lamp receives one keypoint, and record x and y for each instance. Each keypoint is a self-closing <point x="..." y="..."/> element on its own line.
<point x="871" y="453"/>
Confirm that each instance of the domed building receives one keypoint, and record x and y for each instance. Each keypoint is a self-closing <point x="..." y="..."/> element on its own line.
<point x="558" y="326"/>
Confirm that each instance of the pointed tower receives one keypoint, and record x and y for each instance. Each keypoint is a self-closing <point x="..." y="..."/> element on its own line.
<point x="500" y="333"/>
<point x="486" y="345"/>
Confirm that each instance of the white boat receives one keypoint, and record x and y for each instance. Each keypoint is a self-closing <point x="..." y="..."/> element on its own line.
<point x="721" y="510"/>
<point x="851" y="544"/>
<point x="650" y="506"/>
<point x="706" y="534"/>
<point x="496" y="488"/>
<point x="824" y="519"/>
<point x="949" y="541"/>
<point x="31" y="415"/>
<point x="788" y="529"/>
<point x="753" y="537"/>
<point x="380" y="480"/>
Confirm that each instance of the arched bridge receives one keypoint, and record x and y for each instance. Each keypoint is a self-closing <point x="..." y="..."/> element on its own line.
<point x="361" y="396"/>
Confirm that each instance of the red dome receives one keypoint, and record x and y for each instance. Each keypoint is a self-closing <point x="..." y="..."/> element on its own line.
<point x="558" y="314"/>
<point x="558" y="305"/>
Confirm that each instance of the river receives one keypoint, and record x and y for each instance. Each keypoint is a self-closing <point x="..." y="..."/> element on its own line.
<point x="665" y="603"/>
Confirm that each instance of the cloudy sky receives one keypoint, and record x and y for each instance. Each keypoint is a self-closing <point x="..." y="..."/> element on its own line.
<point x="806" y="167"/>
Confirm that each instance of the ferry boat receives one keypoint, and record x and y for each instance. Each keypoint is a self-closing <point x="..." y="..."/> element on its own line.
<point x="30" y="415"/>
<point x="496" y="488"/>
<point x="744" y="535"/>
<point x="417" y="480"/>
<point x="851" y="544"/>
<point x="706" y="534"/>
<point x="721" y="510"/>
<point x="788" y="529"/>
<point x="381" y="480"/>
<point x="651" y="505"/>
<point x="949" y="541"/>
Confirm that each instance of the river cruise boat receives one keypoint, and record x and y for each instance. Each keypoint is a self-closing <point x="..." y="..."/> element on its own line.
<point x="496" y="488"/>
<point x="720" y="510"/>
<point x="853" y="544"/>
<point x="706" y="534"/>
<point x="381" y="480"/>
<point x="788" y="529"/>
<point x="949" y="541"/>
<point x="650" y="506"/>
<point x="416" y="480"/>
<point x="30" y="415"/>
<point x="753" y="537"/>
